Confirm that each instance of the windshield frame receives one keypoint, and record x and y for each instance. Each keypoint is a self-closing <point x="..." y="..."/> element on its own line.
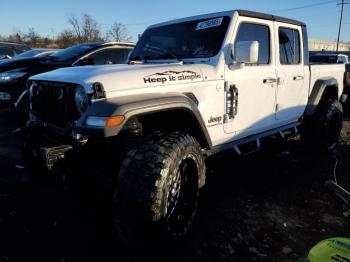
<point x="226" y="23"/>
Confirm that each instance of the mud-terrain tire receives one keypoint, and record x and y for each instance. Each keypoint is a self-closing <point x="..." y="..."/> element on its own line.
<point x="157" y="190"/>
<point x="322" y="130"/>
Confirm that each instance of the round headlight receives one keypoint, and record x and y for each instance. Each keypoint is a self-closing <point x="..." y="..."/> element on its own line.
<point x="81" y="99"/>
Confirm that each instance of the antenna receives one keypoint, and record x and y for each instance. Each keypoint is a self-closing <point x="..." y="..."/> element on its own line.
<point x="341" y="20"/>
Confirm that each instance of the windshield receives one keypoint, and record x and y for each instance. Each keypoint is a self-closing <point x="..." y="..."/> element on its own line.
<point x="30" y="53"/>
<point x="195" y="39"/>
<point x="73" y="52"/>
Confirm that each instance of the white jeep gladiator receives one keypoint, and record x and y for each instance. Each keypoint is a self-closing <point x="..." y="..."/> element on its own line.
<point x="192" y="87"/>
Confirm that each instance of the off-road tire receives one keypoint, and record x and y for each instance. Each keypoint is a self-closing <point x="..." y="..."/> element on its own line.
<point x="157" y="190"/>
<point x="322" y="130"/>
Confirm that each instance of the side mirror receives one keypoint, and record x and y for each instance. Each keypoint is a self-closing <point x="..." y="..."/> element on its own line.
<point x="246" y="52"/>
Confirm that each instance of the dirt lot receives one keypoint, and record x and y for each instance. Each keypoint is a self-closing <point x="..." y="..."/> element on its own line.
<point x="270" y="206"/>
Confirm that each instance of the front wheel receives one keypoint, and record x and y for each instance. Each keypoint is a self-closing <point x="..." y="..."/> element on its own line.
<point x="322" y="130"/>
<point x="157" y="188"/>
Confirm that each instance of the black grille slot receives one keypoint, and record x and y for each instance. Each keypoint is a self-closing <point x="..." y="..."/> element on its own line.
<point x="54" y="103"/>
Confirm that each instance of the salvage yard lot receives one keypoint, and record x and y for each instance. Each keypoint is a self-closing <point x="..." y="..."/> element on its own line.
<point x="269" y="206"/>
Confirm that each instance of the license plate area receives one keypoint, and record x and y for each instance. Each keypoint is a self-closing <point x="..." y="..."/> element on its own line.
<point x="54" y="154"/>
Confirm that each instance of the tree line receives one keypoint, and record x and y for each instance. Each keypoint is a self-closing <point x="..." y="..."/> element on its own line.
<point x="82" y="29"/>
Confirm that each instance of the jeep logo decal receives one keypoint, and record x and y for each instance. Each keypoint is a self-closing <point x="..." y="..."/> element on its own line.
<point x="171" y="76"/>
<point x="213" y="121"/>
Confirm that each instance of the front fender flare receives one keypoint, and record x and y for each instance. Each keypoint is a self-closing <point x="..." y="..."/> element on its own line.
<point x="135" y="105"/>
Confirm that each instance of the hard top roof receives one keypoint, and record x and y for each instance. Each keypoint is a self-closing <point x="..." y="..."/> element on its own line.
<point x="231" y="13"/>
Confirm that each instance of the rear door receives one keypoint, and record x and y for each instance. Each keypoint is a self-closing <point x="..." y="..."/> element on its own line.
<point x="292" y="87"/>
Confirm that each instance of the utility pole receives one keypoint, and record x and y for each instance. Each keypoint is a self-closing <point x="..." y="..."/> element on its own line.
<point x="341" y="20"/>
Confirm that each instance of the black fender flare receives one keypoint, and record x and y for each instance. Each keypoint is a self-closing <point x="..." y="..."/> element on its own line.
<point x="317" y="92"/>
<point x="136" y="105"/>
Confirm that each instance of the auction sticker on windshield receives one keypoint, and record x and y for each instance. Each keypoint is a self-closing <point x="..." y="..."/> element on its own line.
<point x="209" y="23"/>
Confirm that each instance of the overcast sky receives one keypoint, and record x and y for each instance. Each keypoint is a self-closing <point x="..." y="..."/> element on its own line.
<point x="49" y="17"/>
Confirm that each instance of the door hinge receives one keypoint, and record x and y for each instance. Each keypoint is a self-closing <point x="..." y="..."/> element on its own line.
<point x="277" y="108"/>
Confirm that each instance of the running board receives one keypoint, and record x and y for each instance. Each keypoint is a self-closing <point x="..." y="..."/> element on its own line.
<point x="235" y="145"/>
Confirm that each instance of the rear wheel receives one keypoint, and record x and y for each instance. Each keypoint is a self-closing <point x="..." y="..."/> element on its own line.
<point x="322" y="130"/>
<point x="157" y="190"/>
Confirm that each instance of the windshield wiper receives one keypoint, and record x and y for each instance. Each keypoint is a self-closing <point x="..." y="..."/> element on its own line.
<point x="167" y="54"/>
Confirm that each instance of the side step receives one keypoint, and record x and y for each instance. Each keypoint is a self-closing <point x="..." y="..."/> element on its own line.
<point x="253" y="141"/>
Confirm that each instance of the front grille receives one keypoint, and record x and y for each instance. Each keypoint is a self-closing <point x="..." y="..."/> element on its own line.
<point x="54" y="103"/>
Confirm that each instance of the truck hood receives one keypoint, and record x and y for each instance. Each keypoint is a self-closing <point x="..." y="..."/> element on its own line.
<point x="124" y="77"/>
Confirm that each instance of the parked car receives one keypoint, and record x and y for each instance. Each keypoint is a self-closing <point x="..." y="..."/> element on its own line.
<point x="9" y="50"/>
<point x="328" y="58"/>
<point x="193" y="87"/>
<point x="37" y="52"/>
<point x="14" y="73"/>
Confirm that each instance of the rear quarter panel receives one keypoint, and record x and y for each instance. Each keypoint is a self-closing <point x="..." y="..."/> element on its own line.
<point x="335" y="71"/>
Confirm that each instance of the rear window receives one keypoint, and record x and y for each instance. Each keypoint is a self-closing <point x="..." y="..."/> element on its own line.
<point x="324" y="59"/>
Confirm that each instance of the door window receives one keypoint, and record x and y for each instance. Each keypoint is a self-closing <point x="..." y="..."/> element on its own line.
<point x="256" y="32"/>
<point x="289" y="44"/>
<point x="109" y="56"/>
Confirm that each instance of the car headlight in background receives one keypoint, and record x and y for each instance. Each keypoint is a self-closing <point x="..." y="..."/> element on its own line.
<point x="81" y="99"/>
<point x="12" y="75"/>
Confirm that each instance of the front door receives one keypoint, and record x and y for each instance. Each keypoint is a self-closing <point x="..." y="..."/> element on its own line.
<point x="254" y="83"/>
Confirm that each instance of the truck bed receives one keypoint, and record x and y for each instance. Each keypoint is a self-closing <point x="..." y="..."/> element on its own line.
<point x="321" y="71"/>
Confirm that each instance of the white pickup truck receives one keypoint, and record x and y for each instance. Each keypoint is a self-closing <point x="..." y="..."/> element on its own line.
<point x="193" y="87"/>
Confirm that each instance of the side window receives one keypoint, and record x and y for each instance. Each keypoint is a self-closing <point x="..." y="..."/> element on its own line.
<point x="109" y="56"/>
<point x="256" y="32"/>
<point x="289" y="45"/>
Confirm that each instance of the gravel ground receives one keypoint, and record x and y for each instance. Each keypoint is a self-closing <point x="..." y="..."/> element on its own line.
<point x="268" y="206"/>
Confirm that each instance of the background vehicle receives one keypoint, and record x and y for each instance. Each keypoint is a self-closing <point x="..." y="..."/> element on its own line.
<point x="193" y="87"/>
<point x="37" y="52"/>
<point x="9" y="50"/>
<point x="329" y="58"/>
<point x="14" y="73"/>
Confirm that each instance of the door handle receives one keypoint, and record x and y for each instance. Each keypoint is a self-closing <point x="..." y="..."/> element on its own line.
<point x="270" y="80"/>
<point x="296" y="78"/>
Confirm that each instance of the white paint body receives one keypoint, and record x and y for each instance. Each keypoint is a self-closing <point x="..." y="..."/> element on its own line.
<point x="261" y="106"/>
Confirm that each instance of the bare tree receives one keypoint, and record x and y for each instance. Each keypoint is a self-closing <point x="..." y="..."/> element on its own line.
<point x="32" y="37"/>
<point x="118" y="33"/>
<point x="91" y="29"/>
<point x="85" y="29"/>
<point x="66" y="38"/>
<point x="75" y="23"/>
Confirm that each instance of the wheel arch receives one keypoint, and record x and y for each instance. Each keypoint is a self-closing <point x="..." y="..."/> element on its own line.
<point x="323" y="89"/>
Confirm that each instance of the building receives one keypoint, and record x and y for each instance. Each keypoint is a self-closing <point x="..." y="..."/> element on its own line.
<point x="319" y="45"/>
